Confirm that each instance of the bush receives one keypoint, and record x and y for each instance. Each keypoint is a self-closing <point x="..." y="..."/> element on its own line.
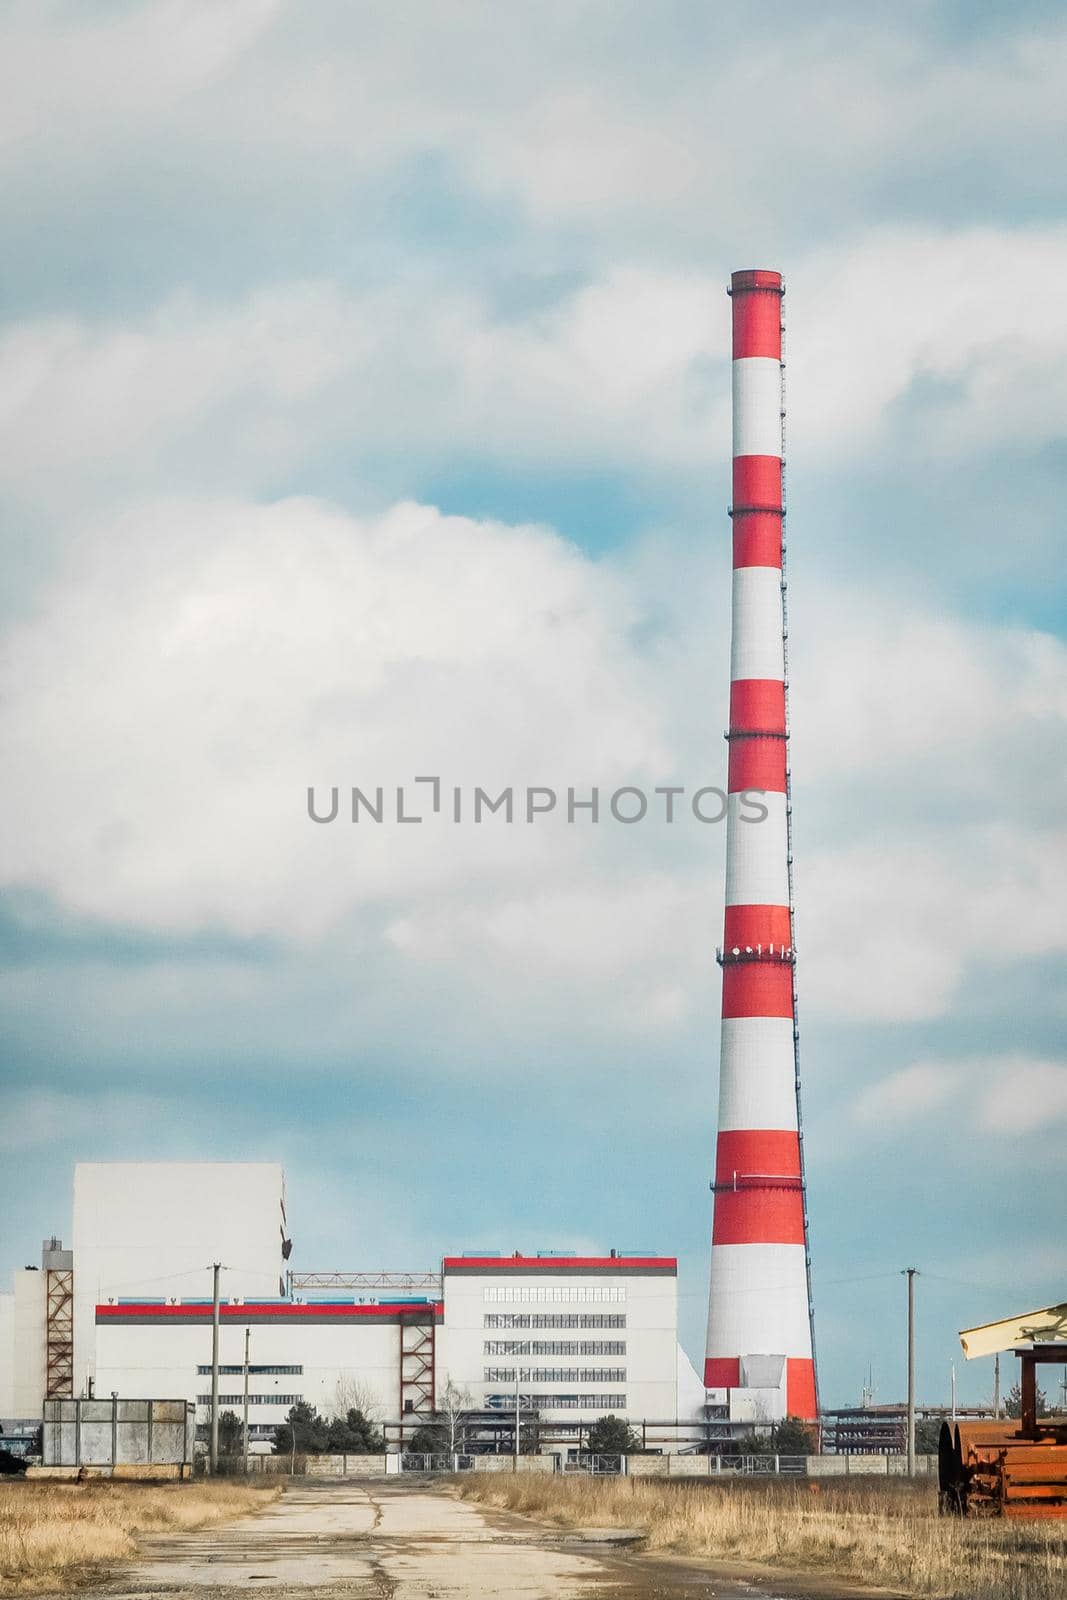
<point x="794" y="1438"/>
<point x="429" y="1439"/>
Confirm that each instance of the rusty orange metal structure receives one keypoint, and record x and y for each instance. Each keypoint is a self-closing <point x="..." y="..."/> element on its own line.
<point x="1008" y="1469"/>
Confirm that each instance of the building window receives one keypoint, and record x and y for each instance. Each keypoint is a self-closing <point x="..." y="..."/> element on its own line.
<point x="567" y="1293"/>
<point x="554" y="1347"/>
<point x="564" y="1402"/>
<point x="548" y="1319"/>
<point x="253" y="1399"/>
<point x="254" y="1371"/>
<point x="555" y="1375"/>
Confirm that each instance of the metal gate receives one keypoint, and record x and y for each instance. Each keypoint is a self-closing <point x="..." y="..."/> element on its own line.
<point x="413" y="1461"/>
<point x="597" y="1466"/>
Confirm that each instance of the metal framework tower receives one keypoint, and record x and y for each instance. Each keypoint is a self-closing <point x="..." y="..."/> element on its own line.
<point x="760" y="1301"/>
<point x="418" y="1345"/>
<point x="59" y="1320"/>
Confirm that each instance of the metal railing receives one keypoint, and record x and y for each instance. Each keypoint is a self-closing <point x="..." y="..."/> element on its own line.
<point x="761" y="1466"/>
<point x="598" y="1466"/>
<point x="413" y="1461"/>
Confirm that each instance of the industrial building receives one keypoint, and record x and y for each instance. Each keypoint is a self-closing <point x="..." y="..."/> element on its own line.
<point x="568" y="1338"/>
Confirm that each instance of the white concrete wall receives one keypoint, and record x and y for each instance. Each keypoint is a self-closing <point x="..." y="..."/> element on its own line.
<point x="692" y="1396"/>
<point x="28" y="1343"/>
<point x="154" y="1228"/>
<point x="145" y="1361"/>
<point x="649" y="1303"/>
<point x="7" y="1356"/>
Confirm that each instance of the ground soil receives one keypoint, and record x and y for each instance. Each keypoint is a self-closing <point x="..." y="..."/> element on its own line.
<point x="416" y="1541"/>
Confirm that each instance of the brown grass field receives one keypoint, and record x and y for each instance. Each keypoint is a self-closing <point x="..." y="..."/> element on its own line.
<point x="887" y="1534"/>
<point x="53" y="1535"/>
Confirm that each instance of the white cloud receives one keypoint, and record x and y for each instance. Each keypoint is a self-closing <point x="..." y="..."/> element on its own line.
<point x="901" y="337"/>
<point x="907" y="1095"/>
<point x="1024" y="1096"/>
<point x="35" y="1119"/>
<point x="888" y="930"/>
<point x="243" y="395"/>
<point x="988" y="1095"/>
<point x="934" y="317"/>
<point x="140" y="67"/>
<point x="201" y="663"/>
<point x="591" y="123"/>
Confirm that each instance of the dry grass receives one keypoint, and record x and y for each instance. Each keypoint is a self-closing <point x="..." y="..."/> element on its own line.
<point x="53" y="1534"/>
<point x="888" y="1534"/>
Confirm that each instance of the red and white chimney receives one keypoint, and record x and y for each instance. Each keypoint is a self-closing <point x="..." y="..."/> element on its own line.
<point x="760" y="1295"/>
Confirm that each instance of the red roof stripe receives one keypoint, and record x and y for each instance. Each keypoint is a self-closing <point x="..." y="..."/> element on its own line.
<point x="260" y="1308"/>
<point x="558" y="1264"/>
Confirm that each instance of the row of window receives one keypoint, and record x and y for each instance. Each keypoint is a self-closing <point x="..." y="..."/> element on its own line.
<point x="253" y="1371"/>
<point x="555" y="1375"/>
<point x="565" y="1402"/>
<point x="577" y="1292"/>
<point x="253" y="1399"/>
<point x="554" y="1319"/>
<point x="554" y="1347"/>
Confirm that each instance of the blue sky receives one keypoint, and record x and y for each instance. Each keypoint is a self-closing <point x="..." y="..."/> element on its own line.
<point x="365" y="382"/>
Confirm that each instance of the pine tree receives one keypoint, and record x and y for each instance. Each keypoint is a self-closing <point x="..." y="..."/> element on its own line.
<point x="354" y="1434"/>
<point x="611" y="1436"/>
<point x="302" y="1433"/>
<point x="231" y="1434"/>
<point x="1014" y="1403"/>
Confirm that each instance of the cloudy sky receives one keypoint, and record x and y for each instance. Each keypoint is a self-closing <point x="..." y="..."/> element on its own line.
<point x="364" y="383"/>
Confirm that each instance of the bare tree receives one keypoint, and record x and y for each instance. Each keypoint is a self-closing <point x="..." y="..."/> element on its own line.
<point x="453" y="1404"/>
<point x="350" y="1394"/>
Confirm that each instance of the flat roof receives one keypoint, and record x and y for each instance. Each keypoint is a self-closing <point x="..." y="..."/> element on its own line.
<point x="561" y="1266"/>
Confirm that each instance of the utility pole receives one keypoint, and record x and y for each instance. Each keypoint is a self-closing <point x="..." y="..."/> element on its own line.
<point x="996" y="1387"/>
<point x="910" y="1273"/>
<point x="517" y="1418"/>
<point x="213" y="1458"/>
<point x="248" y="1332"/>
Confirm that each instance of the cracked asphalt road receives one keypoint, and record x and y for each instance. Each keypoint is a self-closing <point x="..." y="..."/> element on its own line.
<point x="325" y="1541"/>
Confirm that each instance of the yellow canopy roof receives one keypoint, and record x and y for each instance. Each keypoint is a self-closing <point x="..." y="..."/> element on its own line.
<point x="1049" y="1323"/>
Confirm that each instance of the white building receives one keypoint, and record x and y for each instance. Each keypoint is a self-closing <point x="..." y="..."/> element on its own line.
<point x="333" y="1355"/>
<point x="576" y="1337"/>
<point x="22" y="1345"/>
<point x="153" y="1229"/>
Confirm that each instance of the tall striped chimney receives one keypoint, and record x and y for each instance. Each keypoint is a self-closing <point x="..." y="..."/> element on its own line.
<point x="760" y="1292"/>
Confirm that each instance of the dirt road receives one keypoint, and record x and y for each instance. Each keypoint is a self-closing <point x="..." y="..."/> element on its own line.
<point x="404" y="1542"/>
